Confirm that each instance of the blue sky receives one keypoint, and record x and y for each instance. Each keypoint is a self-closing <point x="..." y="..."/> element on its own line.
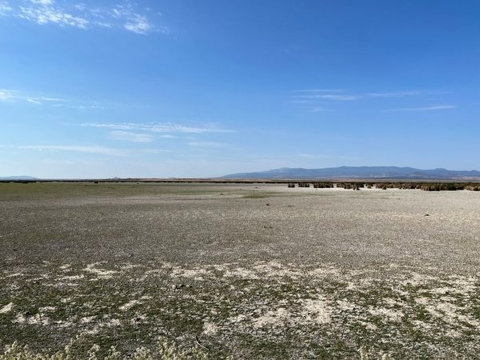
<point x="199" y="88"/>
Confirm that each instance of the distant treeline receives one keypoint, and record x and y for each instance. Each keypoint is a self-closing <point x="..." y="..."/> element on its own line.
<point x="430" y="186"/>
<point x="347" y="184"/>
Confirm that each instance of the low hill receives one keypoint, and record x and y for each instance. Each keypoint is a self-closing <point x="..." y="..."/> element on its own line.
<point x="360" y="172"/>
<point x="16" y="178"/>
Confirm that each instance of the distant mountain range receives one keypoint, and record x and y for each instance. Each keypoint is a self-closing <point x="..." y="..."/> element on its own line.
<point x="15" y="178"/>
<point x="359" y="172"/>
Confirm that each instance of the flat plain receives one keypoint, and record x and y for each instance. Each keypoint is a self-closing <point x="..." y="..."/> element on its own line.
<point x="246" y="271"/>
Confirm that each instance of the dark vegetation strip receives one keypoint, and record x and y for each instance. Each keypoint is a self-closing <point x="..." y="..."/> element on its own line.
<point x="347" y="184"/>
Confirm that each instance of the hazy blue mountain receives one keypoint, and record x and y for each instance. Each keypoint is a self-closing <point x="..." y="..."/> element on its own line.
<point x="360" y="172"/>
<point x="18" y="178"/>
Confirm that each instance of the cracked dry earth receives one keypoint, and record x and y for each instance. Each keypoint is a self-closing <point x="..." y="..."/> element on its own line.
<point x="246" y="271"/>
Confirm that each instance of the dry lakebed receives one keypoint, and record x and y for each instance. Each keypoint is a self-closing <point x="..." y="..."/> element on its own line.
<point x="238" y="271"/>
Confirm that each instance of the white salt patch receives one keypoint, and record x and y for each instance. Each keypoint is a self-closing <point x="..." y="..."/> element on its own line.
<point x="154" y="271"/>
<point x="113" y="322"/>
<point x="276" y="269"/>
<point x="237" y="319"/>
<point x="71" y="278"/>
<point x="87" y="320"/>
<point x="47" y="309"/>
<point x="129" y="305"/>
<point x="93" y="331"/>
<point x="272" y="318"/>
<point x="38" y="319"/>
<point x="20" y="319"/>
<point x="316" y="311"/>
<point x="421" y="301"/>
<point x="351" y="286"/>
<point x="241" y="273"/>
<point x="15" y="275"/>
<point x="6" y="309"/>
<point x="129" y="267"/>
<point x="392" y="302"/>
<point x="392" y="315"/>
<point x="422" y="325"/>
<point x="64" y="324"/>
<point x="223" y="267"/>
<point x="196" y="274"/>
<point x="416" y="279"/>
<point x="453" y="333"/>
<point x="345" y="305"/>
<point x="101" y="273"/>
<point x="466" y="285"/>
<point x="368" y="326"/>
<point x="210" y="329"/>
<point x="449" y="313"/>
<point x="325" y="271"/>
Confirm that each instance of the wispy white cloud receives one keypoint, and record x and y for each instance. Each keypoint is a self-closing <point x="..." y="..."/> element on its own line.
<point x="315" y="98"/>
<point x="312" y="100"/>
<point x="309" y="91"/>
<point x="319" y="109"/>
<point x="335" y="97"/>
<point x="397" y="94"/>
<point x="21" y="96"/>
<point x="6" y="95"/>
<point x="130" y="136"/>
<point x="425" y="108"/>
<point x="15" y="95"/>
<point x="34" y="101"/>
<point x="94" y="149"/>
<point x="138" y="24"/>
<point x="88" y="149"/>
<point x="339" y="94"/>
<point x="5" y="8"/>
<point x="153" y="151"/>
<point x="206" y="144"/>
<point x="324" y="94"/>
<point x="158" y="127"/>
<point x="82" y="106"/>
<point x="127" y="16"/>
<point x="46" y="11"/>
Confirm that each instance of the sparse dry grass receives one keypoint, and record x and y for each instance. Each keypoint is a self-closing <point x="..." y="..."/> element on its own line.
<point x="211" y="272"/>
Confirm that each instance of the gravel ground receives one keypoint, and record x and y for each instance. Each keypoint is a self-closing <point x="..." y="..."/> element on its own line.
<point x="250" y="271"/>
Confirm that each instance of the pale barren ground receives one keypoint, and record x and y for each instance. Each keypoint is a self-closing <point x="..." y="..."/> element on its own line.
<point x="250" y="271"/>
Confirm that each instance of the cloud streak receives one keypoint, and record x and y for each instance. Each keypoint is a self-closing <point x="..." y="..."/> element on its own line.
<point x="317" y="97"/>
<point x="6" y="95"/>
<point x="319" y="109"/>
<point x="334" y="97"/>
<point x="398" y="94"/>
<point x="131" y="136"/>
<point x="158" y="127"/>
<point x="14" y="96"/>
<point x="4" y="7"/>
<point x="94" y="149"/>
<point x="206" y="144"/>
<point x="425" y="108"/>
<point x="126" y="16"/>
<point x="86" y="149"/>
